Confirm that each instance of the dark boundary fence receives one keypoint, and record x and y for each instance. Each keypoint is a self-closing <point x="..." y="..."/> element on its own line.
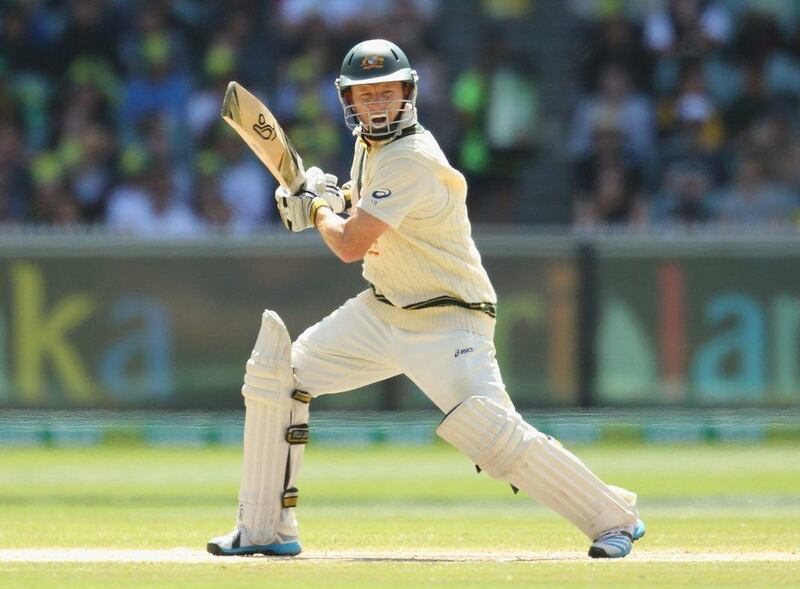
<point x="587" y="331"/>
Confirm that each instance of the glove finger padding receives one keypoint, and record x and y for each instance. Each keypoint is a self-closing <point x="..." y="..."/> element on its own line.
<point x="331" y="181"/>
<point x="324" y="185"/>
<point x="318" y="181"/>
<point x="334" y="196"/>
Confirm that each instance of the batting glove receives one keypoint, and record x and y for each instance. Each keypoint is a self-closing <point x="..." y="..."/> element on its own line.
<point x="298" y="211"/>
<point x="324" y="185"/>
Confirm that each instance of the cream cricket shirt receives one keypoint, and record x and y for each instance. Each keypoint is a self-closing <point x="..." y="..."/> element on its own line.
<point x="428" y="251"/>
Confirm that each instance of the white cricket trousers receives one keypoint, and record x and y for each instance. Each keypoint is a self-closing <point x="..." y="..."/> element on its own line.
<point x="351" y="348"/>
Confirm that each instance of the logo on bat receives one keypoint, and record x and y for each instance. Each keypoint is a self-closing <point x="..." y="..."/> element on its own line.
<point x="373" y="62"/>
<point x="264" y="130"/>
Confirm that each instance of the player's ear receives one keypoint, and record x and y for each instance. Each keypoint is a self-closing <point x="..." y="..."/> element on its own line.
<point x="407" y="90"/>
<point x="347" y="95"/>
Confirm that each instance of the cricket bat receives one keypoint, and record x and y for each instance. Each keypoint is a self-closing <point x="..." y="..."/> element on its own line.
<point x="254" y="123"/>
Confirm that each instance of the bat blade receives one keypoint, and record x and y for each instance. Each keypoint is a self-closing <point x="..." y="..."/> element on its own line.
<point x="257" y="126"/>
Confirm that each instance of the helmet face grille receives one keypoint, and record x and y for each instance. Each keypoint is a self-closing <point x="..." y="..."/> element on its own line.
<point x="379" y="126"/>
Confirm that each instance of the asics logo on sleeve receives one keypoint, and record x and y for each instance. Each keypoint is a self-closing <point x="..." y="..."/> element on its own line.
<point x="379" y="194"/>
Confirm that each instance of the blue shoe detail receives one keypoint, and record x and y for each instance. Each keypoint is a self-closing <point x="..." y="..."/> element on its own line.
<point x="639" y="530"/>
<point x="614" y="545"/>
<point x="276" y="549"/>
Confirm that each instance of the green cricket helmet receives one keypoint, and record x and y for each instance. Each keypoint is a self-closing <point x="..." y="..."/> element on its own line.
<point x="373" y="62"/>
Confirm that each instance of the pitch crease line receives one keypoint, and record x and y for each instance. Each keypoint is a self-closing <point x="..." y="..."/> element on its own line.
<point x="190" y="555"/>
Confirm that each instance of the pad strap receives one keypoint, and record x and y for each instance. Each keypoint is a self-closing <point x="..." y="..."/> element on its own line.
<point x="290" y="497"/>
<point x="302" y="396"/>
<point x="297" y="434"/>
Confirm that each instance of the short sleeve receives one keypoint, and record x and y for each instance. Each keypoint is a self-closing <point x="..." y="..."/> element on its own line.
<point x="401" y="187"/>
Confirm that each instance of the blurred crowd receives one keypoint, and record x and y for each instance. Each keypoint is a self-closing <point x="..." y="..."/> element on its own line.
<point x="689" y="114"/>
<point x="687" y="111"/>
<point x="109" y="109"/>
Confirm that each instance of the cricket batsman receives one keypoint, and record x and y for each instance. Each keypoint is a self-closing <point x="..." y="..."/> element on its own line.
<point x="428" y="312"/>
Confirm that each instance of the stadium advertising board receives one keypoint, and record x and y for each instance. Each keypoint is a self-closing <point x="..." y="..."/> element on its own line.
<point x="172" y="328"/>
<point x="159" y="330"/>
<point x="720" y="328"/>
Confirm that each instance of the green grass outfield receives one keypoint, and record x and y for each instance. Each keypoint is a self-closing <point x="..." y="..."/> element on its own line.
<point x="718" y="515"/>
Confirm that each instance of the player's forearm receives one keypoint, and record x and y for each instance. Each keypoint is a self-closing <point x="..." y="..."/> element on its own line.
<point x="334" y="232"/>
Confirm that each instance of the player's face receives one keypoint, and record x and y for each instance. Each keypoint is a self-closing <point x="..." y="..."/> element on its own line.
<point x="377" y="105"/>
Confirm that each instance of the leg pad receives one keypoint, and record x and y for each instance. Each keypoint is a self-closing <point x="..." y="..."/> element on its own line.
<point x="276" y="431"/>
<point x="500" y="442"/>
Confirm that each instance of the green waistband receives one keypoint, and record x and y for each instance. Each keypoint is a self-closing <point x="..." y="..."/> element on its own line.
<point x="443" y="301"/>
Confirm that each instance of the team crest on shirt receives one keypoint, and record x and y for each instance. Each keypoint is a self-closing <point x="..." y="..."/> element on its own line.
<point x="372" y="62"/>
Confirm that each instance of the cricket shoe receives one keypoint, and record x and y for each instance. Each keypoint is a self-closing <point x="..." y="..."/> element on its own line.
<point x="639" y="530"/>
<point x="615" y="543"/>
<point x="238" y="543"/>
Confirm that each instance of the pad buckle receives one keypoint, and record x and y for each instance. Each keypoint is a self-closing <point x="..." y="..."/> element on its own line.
<point x="290" y="497"/>
<point x="297" y="434"/>
<point x="301" y="396"/>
